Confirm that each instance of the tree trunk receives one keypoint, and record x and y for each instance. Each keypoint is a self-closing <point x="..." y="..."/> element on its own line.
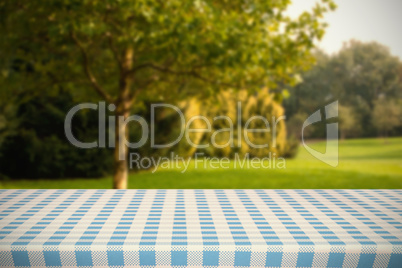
<point x="120" y="177"/>
<point x="123" y="107"/>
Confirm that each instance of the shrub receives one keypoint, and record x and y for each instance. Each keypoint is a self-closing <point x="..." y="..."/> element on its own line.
<point x="39" y="149"/>
<point x="291" y="147"/>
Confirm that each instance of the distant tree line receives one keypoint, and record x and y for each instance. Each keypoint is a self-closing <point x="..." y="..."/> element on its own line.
<point x="365" y="78"/>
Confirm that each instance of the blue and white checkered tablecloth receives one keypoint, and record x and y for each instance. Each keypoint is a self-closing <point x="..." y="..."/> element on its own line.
<point x="210" y="228"/>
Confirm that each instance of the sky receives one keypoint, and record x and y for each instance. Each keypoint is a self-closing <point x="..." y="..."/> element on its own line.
<point x="365" y="20"/>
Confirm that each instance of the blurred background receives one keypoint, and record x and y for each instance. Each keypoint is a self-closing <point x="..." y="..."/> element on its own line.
<point x="276" y="58"/>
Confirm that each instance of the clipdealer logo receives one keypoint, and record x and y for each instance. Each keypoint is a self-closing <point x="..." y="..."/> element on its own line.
<point x="148" y="130"/>
<point x="330" y="156"/>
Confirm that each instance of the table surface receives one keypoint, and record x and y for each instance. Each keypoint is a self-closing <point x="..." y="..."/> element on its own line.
<point x="243" y="228"/>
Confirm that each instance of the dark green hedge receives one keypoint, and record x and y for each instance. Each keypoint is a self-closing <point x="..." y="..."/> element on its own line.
<point x="39" y="148"/>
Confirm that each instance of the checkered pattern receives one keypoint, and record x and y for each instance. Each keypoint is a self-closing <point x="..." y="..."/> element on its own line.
<point x="210" y="228"/>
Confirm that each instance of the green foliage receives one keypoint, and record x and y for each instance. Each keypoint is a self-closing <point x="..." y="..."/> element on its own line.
<point x="387" y="115"/>
<point x="347" y="121"/>
<point x="291" y="147"/>
<point x="359" y="75"/>
<point x="225" y="139"/>
<point x="37" y="148"/>
<point x="295" y="124"/>
<point x="141" y="51"/>
<point x="224" y="131"/>
<point x="241" y="43"/>
<point x="8" y="121"/>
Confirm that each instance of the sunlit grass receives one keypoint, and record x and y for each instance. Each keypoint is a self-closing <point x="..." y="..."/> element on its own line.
<point x="364" y="163"/>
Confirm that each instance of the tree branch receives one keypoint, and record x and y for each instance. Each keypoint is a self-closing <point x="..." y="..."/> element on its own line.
<point x="170" y="71"/>
<point x="114" y="51"/>
<point x="88" y="72"/>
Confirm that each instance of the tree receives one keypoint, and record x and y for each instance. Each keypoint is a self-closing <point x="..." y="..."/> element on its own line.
<point x="356" y="76"/>
<point x="132" y="49"/>
<point x="363" y="72"/>
<point x="231" y="138"/>
<point x="347" y="121"/>
<point x="315" y="87"/>
<point x="386" y="116"/>
<point x="368" y="70"/>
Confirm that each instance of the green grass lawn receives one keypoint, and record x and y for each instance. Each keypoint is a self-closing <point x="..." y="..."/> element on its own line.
<point x="363" y="164"/>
